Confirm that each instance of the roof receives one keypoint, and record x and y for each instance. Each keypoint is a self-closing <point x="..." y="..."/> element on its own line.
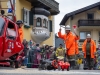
<point x="66" y="17"/>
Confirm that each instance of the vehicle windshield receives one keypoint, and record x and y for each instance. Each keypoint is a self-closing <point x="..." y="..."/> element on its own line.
<point x="2" y="23"/>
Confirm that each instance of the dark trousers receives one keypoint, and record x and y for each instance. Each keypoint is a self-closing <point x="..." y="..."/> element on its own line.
<point x="72" y="63"/>
<point x="89" y="62"/>
<point x="71" y="60"/>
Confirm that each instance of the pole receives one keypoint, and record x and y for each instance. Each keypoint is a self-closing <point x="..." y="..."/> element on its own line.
<point x="74" y="26"/>
<point x="14" y="16"/>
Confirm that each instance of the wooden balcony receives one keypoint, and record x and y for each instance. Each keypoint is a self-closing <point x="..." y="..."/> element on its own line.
<point x="88" y="23"/>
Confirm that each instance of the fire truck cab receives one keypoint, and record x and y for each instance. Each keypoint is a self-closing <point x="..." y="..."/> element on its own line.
<point x="10" y="44"/>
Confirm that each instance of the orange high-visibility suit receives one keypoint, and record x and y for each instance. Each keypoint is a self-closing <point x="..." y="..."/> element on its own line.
<point x="93" y="48"/>
<point x="21" y="34"/>
<point x="69" y="42"/>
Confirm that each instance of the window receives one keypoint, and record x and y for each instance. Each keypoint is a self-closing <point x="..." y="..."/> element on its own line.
<point x="11" y="31"/>
<point x="90" y="16"/>
<point x="44" y="23"/>
<point x="83" y="34"/>
<point x="38" y="23"/>
<point x="26" y="16"/>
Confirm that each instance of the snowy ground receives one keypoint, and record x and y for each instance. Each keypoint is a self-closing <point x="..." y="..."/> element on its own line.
<point x="31" y="71"/>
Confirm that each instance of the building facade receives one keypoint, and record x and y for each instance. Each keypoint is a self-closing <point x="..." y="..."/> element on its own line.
<point x="87" y="20"/>
<point x="38" y="18"/>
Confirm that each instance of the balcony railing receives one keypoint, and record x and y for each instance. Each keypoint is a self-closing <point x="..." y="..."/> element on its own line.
<point x="88" y="23"/>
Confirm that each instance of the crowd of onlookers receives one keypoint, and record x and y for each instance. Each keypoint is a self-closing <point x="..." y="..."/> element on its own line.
<point x="34" y="52"/>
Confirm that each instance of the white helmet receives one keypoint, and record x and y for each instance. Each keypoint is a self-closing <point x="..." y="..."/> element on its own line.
<point x="67" y="27"/>
<point x="88" y="36"/>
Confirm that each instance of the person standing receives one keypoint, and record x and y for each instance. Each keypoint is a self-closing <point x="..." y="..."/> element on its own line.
<point x="60" y="52"/>
<point x="69" y="39"/>
<point x="89" y="50"/>
<point x="20" y="30"/>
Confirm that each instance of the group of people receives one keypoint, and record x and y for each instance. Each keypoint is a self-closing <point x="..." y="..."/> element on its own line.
<point x="28" y="46"/>
<point x="34" y="52"/>
<point x="71" y="44"/>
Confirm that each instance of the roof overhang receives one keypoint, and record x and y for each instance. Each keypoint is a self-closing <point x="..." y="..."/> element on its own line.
<point x="50" y="5"/>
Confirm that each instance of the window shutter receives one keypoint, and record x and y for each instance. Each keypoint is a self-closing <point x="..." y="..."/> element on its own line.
<point x="23" y="15"/>
<point x="30" y="18"/>
<point x="25" y="18"/>
<point x="50" y="25"/>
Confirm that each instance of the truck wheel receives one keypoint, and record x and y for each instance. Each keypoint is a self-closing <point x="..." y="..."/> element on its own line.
<point x="18" y="64"/>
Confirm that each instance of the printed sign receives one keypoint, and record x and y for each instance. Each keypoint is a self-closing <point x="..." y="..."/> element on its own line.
<point x="74" y="26"/>
<point x="10" y="45"/>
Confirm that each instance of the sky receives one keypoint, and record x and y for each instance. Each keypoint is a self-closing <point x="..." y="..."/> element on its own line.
<point x="66" y="6"/>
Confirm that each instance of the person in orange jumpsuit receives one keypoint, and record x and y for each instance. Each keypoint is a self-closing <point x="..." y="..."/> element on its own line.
<point x="69" y="40"/>
<point x="89" y="50"/>
<point x="20" y="30"/>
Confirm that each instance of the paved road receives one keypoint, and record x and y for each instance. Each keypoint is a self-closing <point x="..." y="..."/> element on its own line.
<point x="28" y="71"/>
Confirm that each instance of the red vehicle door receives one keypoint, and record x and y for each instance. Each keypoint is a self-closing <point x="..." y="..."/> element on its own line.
<point x="10" y="40"/>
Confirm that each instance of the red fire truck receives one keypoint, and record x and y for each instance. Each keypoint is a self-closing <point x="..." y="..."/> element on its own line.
<point x="10" y="44"/>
